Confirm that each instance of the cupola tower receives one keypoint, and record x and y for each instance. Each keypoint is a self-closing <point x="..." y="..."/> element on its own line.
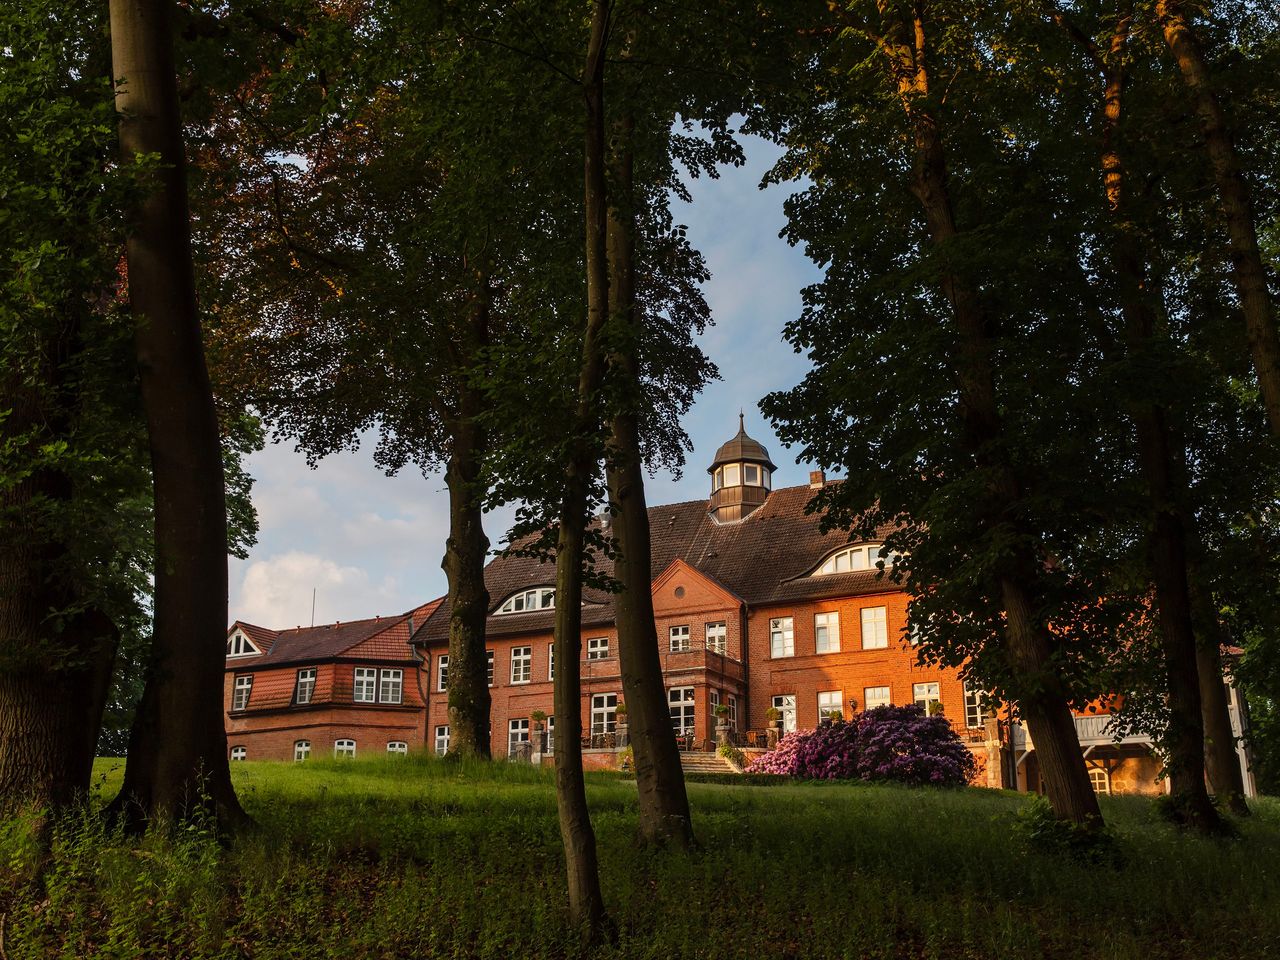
<point x="741" y="477"/>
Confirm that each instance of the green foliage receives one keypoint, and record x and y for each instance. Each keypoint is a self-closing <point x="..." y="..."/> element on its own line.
<point x="1043" y="832"/>
<point x="733" y="754"/>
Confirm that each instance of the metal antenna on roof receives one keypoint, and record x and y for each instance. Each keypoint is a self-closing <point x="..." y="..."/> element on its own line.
<point x="313" y="606"/>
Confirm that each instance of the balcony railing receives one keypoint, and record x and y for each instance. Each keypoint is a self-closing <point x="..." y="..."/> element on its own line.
<point x="1092" y="731"/>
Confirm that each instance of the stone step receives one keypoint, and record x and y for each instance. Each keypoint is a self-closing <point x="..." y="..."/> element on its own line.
<point x="704" y="763"/>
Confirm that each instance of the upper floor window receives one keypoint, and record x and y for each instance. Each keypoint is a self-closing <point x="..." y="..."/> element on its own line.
<point x="598" y="648"/>
<point x="850" y="559"/>
<point x="442" y="672"/>
<point x="365" y="689"/>
<point x="539" y="598"/>
<point x="244" y="686"/>
<point x="521" y="664"/>
<point x="716" y="634"/>
<point x="826" y="632"/>
<point x="975" y="713"/>
<point x="305" y="686"/>
<point x="782" y="638"/>
<point x="680" y="638"/>
<point x="489" y="667"/>
<point x="391" y="686"/>
<point x="875" y="631"/>
<point x="551" y="661"/>
<point x="241" y="646"/>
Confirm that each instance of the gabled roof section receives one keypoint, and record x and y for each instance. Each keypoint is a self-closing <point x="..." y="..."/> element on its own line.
<point x="679" y="566"/>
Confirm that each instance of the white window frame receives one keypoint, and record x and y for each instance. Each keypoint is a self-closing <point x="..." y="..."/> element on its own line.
<point x="785" y="704"/>
<point x="239" y="645"/>
<point x="364" y="685"/>
<point x="551" y="736"/>
<point x="604" y="713"/>
<point x="391" y="685"/>
<point x="397" y="748"/>
<point x="551" y="662"/>
<point x="829" y="701"/>
<point x="442" y="673"/>
<point x="304" y="686"/>
<point x="875" y="628"/>
<point x="490" y="657"/>
<point x="597" y="648"/>
<point x="442" y="739"/>
<point x="782" y="637"/>
<point x="733" y="711"/>
<point x="975" y="711"/>
<point x="529" y="601"/>
<point x="242" y="692"/>
<point x="1100" y="778"/>
<point x="922" y="696"/>
<point x="870" y="694"/>
<point x="301" y="750"/>
<point x="521" y="664"/>
<point x="344" y="748"/>
<point x="717" y="636"/>
<point x="826" y="632"/>
<point x="239" y="753"/>
<point x="517" y="732"/>
<point x="678" y="638"/>
<point x="747" y="470"/>
<point x="681" y="706"/>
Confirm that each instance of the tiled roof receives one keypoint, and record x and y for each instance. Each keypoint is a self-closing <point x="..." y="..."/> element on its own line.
<point x="326" y="640"/>
<point x="762" y="559"/>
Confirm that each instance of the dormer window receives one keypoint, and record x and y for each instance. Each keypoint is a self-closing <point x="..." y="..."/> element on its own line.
<point x="241" y="646"/>
<point x="851" y="559"/>
<point x="539" y="598"/>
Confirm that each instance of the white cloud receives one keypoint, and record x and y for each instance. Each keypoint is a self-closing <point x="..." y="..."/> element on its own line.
<point x="276" y="592"/>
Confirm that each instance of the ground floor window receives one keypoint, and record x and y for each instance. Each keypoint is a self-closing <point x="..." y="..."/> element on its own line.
<point x="829" y="704"/>
<point x="517" y="733"/>
<point x="975" y="715"/>
<point x="1100" y="779"/>
<point x="873" y="697"/>
<point x="925" y="695"/>
<point x="442" y="740"/>
<point x="239" y="753"/>
<point x="604" y="713"/>
<point x="344" y="748"/>
<point x="301" y="750"/>
<point x="397" y="746"/>
<point x="680" y="702"/>
<point x="551" y="735"/>
<point x="733" y="712"/>
<point x="785" y="704"/>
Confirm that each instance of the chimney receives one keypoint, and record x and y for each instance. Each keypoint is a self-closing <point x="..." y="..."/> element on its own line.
<point x="817" y="479"/>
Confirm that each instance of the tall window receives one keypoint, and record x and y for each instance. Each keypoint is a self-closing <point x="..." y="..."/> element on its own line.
<point x="391" y="686"/>
<point x="733" y="712"/>
<point x="551" y="735"/>
<point x="489" y="667"/>
<point x="344" y="748"/>
<point x="829" y="703"/>
<point x="785" y="704"/>
<point x="240" y="699"/>
<point x="714" y="697"/>
<point x="305" y="686"/>
<point x="241" y="646"/>
<point x="826" y="632"/>
<point x="239" y="753"/>
<point x="716" y="637"/>
<point x="873" y="697"/>
<point x="517" y="733"/>
<point x="751" y="474"/>
<point x="366" y="685"/>
<point x="551" y="661"/>
<point x="521" y="664"/>
<point x="597" y="648"/>
<point x="680" y="638"/>
<point x="301" y="750"/>
<point x="397" y="747"/>
<point x="975" y="715"/>
<point x="782" y="638"/>
<point x="539" y="598"/>
<point x="680" y="702"/>
<point x="442" y="672"/>
<point x="926" y="695"/>
<point x="875" y="634"/>
<point x="442" y="740"/>
<point x="604" y="713"/>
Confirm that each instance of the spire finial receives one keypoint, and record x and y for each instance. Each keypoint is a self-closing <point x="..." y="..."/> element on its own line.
<point x="741" y="428"/>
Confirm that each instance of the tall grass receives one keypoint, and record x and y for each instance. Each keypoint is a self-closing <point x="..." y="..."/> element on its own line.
<point x="423" y="858"/>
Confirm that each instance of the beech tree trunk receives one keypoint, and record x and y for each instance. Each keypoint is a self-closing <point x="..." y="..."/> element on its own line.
<point x="470" y="726"/>
<point x="1233" y="191"/>
<point x="177" y="762"/>
<point x="1043" y="703"/>
<point x="664" y="804"/>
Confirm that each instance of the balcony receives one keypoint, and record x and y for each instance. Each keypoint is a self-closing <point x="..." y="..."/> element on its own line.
<point x="696" y="655"/>
<point x="1093" y="731"/>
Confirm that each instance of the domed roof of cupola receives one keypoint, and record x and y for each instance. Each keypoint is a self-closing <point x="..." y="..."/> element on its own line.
<point x="741" y="449"/>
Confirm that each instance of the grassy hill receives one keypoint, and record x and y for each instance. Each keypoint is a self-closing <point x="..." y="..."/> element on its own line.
<point x="421" y="858"/>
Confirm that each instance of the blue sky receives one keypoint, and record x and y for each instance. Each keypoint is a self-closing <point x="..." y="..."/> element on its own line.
<point x="371" y="544"/>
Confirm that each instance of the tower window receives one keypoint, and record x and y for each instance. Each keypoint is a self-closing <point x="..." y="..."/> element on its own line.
<point x="751" y="474"/>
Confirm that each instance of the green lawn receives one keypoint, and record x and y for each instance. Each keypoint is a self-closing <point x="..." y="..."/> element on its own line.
<point x="420" y="858"/>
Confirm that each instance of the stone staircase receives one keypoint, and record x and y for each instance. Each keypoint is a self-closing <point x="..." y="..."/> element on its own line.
<point x="704" y="763"/>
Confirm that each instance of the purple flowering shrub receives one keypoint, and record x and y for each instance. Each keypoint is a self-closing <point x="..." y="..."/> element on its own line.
<point x="888" y="743"/>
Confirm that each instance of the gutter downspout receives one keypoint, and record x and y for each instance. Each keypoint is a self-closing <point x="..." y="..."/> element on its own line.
<point x="426" y="706"/>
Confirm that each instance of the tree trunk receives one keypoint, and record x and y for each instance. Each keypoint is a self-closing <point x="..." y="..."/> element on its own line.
<point x="1246" y="261"/>
<point x="664" y="804"/>
<point x="1042" y="701"/>
<point x="470" y="727"/>
<point x="177" y="763"/>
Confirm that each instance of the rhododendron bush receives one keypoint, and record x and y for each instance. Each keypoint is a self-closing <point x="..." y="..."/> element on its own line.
<point x="902" y="744"/>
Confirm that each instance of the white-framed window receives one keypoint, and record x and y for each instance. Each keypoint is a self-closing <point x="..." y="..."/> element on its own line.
<point x="551" y="736"/>
<point x="975" y="714"/>
<point x="733" y="712"/>
<point x="344" y="748"/>
<point x="679" y="638"/>
<point x="597" y="648"/>
<point x="238" y="645"/>
<point x="489" y="666"/>
<point x="365" y="688"/>
<point x="442" y="739"/>
<point x="301" y="750"/>
<point x="713" y="698"/>
<point x="785" y="704"/>
<point x="732" y="475"/>
<point x="680" y="704"/>
<point x="717" y="637"/>
<point x="826" y="632"/>
<point x="517" y="733"/>
<point x="782" y="637"/>
<point x="830" y="701"/>
<point x="926" y="695"/>
<point x="604" y="713"/>
<point x="875" y="630"/>
<point x="873" y="697"/>
<point x="850" y="559"/>
<point x="1100" y="780"/>
<point x="442" y="672"/>
<point x="239" y="753"/>
<point x="391" y="686"/>
<point x="913" y="633"/>
<point x="718" y="479"/>
<point x="397" y="747"/>
<point x="305" y="686"/>
<point x="521" y="664"/>
<point x="539" y="598"/>
<point x="244" y="686"/>
<point x="751" y="474"/>
<point x="551" y="662"/>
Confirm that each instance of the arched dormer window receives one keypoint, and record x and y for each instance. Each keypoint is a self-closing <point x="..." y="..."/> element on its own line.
<point x="241" y="646"/>
<point x="862" y="556"/>
<point x="539" y="598"/>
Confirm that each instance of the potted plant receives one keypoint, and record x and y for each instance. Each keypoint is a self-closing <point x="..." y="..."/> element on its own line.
<point x="539" y="718"/>
<point x="835" y="716"/>
<point x="774" y="716"/>
<point x="722" y="712"/>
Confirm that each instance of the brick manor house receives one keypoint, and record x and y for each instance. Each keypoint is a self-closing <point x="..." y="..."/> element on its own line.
<point x="755" y="608"/>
